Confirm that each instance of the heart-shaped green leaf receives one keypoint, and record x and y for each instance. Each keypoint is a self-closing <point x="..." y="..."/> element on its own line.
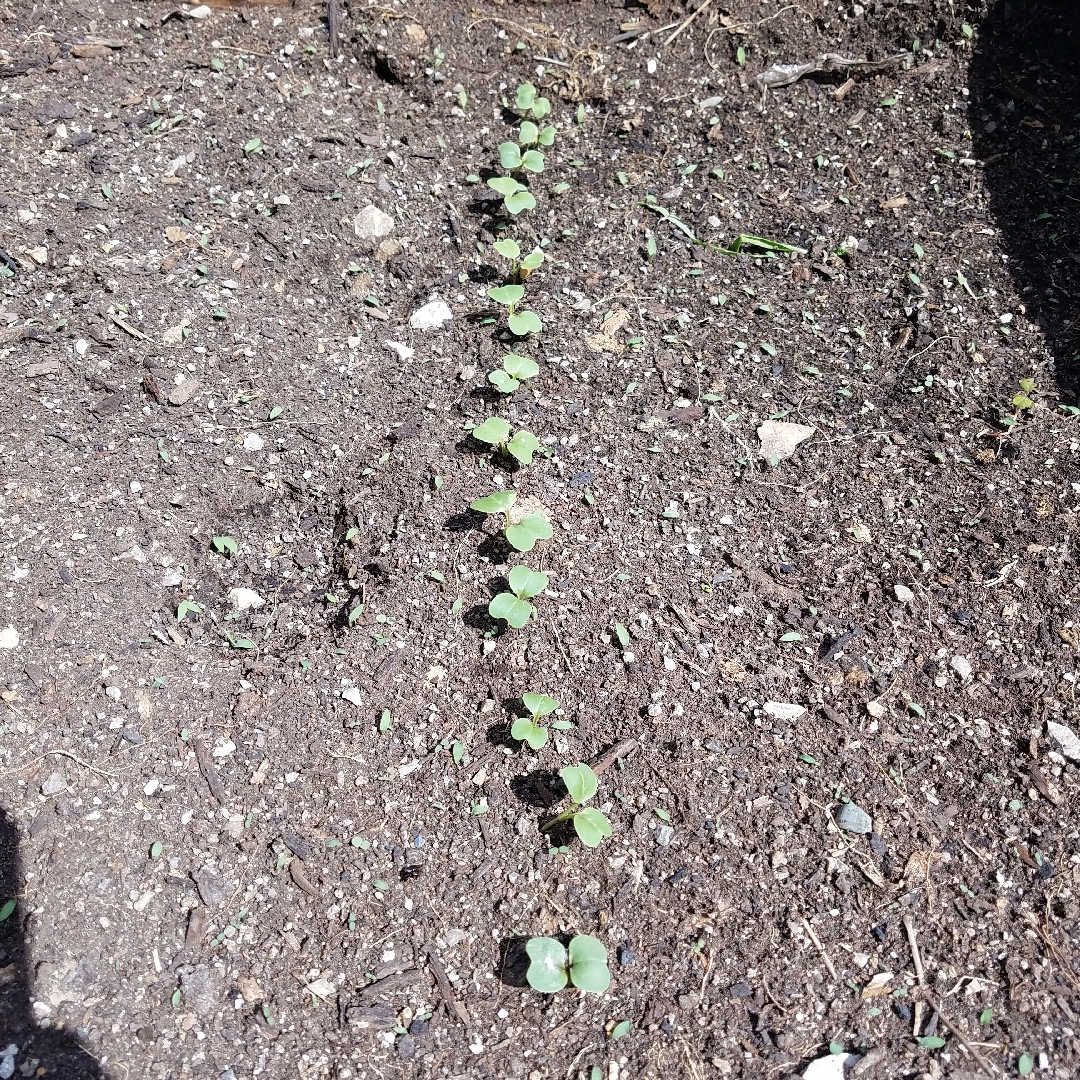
<point x="509" y="155"/>
<point x="540" y="108"/>
<point x="508" y="249"/>
<point x="521" y="367"/>
<point x="526" y="97"/>
<point x="591" y="826"/>
<point x="547" y="970"/>
<point x="524" y="323"/>
<point x="588" y="964"/>
<point x="539" y="704"/>
<point x="498" y="502"/>
<point x="494" y="430"/>
<point x="580" y="781"/>
<point x="511" y="608"/>
<point x="524" y="535"/>
<point x="505" y="185"/>
<point x="534" y="259"/>
<point x="532" y="160"/>
<point x="520" y="200"/>
<point x="505" y="384"/>
<point x="523" y="445"/>
<point x="507" y="295"/>
<point x="525" y="582"/>
<point x="525" y="729"/>
<point x="546" y="136"/>
<point x="529" y="133"/>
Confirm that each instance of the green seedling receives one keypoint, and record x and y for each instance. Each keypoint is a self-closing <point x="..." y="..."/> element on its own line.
<point x="552" y="965"/>
<point x="1023" y="399"/>
<point x="528" y="728"/>
<point x="496" y="432"/>
<point x="224" y="545"/>
<point x="761" y="242"/>
<point x="522" y="534"/>
<point x="514" y="606"/>
<point x="590" y="825"/>
<point x="186" y="606"/>
<point x="516" y="196"/>
<point x="531" y="135"/>
<point x="521" y="323"/>
<point x="520" y="268"/>
<point x="528" y="104"/>
<point x="514" y="371"/>
<point x="511" y="157"/>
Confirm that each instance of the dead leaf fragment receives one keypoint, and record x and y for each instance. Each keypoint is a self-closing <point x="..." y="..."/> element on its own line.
<point x="878" y="986"/>
<point x="175" y="235"/>
<point x="779" y="439"/>
<point x="184" y="392"/>
<point x="605" y="341"/>
<point x="249" y="987"/>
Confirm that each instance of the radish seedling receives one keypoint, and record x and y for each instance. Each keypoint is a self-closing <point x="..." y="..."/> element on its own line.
<point x="528" y="728"/>
<point x="511" y="157"/>
<point x="514" y="371"/>
<point x="552" y="965"/>
<point x="522" y="534"/>
<point x="496" y="432"/>
<point x="521" y="323"/>
<point x="516" y="196"/>
<point x="514" y="606"/>
<point x="590" y="825"/>
<point x="530" y="134"/>
<point x="519" y="268"/>
<point x="528" y="104"/>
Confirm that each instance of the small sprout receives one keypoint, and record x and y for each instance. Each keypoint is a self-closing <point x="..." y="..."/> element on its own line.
<point x="528" y="728"/>
<point x="527" y="103"/>
<point x="524" y="323"/>
<point x="7" y="909"/>
<point x="510" y="155"/>
<point x="224" y="545"/>
<point x="623" y="1028"/>
<point x="623" y="635"/>
<point x="155" y="849"/>
<point x="457" y="752"/>
<point x="589" y="823"/>
<point x="253" y="146"/>
<point x="529" y="133"/>
<point x="514" y="371"/>
<point x="532" y="161"/>
<point x="498" y="502"/>
<point x="385" y="721"/>
<point x="516" y="196"/>
<point x="496" y="432"/>
<point x="507" y="296"/>
<point x="508" y="249"/>
<point x="552" y="965"/>
<point x="1023" y="399"/>
<point x="186" y="606"/>
<point x="546" y="136"/>
<point x="514" y="606"/>
<point x="275" y="412"/>
<point x="524" y="535"/>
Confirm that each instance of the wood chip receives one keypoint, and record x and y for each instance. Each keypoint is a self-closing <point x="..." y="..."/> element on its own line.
<point x="206" y="765"/>
<point x="446" y="990"/>
<point x="300" y="879"/>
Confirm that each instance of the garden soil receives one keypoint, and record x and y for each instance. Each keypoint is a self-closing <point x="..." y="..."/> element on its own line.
<point x="261" y="812"/>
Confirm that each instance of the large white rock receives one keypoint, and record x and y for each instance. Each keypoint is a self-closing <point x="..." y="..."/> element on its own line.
<point x="1065" y="738"/>
<point x="9" y="638"/>
<point x="431" y="316"/>
<point x="245" y="599"/>
<point x="784" y="710"/>
<point x="372" y="224"/>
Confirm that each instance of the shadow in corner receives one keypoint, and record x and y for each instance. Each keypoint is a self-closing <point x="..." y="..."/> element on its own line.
<point x="48" y="1052"/>
<point x="1024" y="118"/>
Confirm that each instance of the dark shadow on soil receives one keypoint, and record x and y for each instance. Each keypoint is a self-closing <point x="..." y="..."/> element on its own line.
<point x="513" y="962"/>
<point x="1024" y="117"/>
<point x="41" y="1051"/>
<point x="541" y="789"/>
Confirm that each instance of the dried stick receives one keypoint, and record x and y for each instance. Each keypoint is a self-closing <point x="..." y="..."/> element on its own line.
<point x="821" y="949"/>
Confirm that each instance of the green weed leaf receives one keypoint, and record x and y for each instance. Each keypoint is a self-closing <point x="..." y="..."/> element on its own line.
<point x="525" y="729"/>
<point x="528" y="133"/>
<point x="524" y="323"/>
<point x="532" y="160"/>
<point x="498" y="502"/>
<point x="505" y="384"/>
<point x="509" y="155"/>
<point x="520" y="200"/>
<point x="224" y="545"/>
<point x="523" y="445"/>
<point x="539" y="704"/>
<point x="508" y="249"/>
<point x="546" y="136"/>
<point x="507" y="295"/>
<point x="526" y="583"/>
<point x="526" y="96"/>
<point x="505" y="185"/>
<point x="520" y="367"/>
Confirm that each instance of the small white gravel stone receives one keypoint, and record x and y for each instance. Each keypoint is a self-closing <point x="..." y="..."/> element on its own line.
<point x="1065" y="738"/>
<point x="253" y="442"/>
<point x="961" y="666"/>
<point x="372" y="224"/>
<point x="784" y="710"/>
<point x="244" y="599"/>
<point x="902" y="593"/>
<point x="431" y="316"/>
<point x="9" y="638"/>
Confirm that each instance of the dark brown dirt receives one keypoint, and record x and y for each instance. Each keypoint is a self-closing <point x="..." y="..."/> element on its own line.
<point x="335" y="897"/>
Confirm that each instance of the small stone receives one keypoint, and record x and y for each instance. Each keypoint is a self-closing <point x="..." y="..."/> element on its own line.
<point x="664" y="835"/>
<point x="688" y="1001"/>
<point x="431" y="316"/>
<point x="9" y="638"/>
<point x="244" y="599"/>
<point x="1065" y="738"/>
<point x="418" y="1027"/>
<point x="740" y="990"/>
<point x="253" y="442"/>
<point x="184" y="392"/>
<point x="54" y="784"/>
<point x="902" y="593"/>
<point x="784" y="710"/>
<point x="454" y="937"/>
<point x="625" y="955"/>
<point x="830" y="1067"/>
<point x="172" y="578"/>
<point x="200" y="989"/>
<point x="132" y="737"/>
<point x="372" y="224"/>
<point x="961" y="666"/>
<point x="406" y="1047"/>
<point x="403" y="351"/>
<point x="209" y="885"/>
<point x="779" y="440"/>
<point x="352" y="694"/>
<point x="7" y="1061"/>
<point x="387" y="250"/>
<point x="852" y="818"/>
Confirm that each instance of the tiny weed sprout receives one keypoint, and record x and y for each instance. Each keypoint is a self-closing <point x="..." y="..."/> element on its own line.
<point x="496" y="432"/>
<point x="514" y="371"/>
<point x="516" y="196"/>
<point x="1023" y="399"/>
<point x="514" y="606"/>
<point x="528" y="728"/>
<point x="225" y="545"/>
<point x="552" y="965"/>
<point x="590" y="825"/>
